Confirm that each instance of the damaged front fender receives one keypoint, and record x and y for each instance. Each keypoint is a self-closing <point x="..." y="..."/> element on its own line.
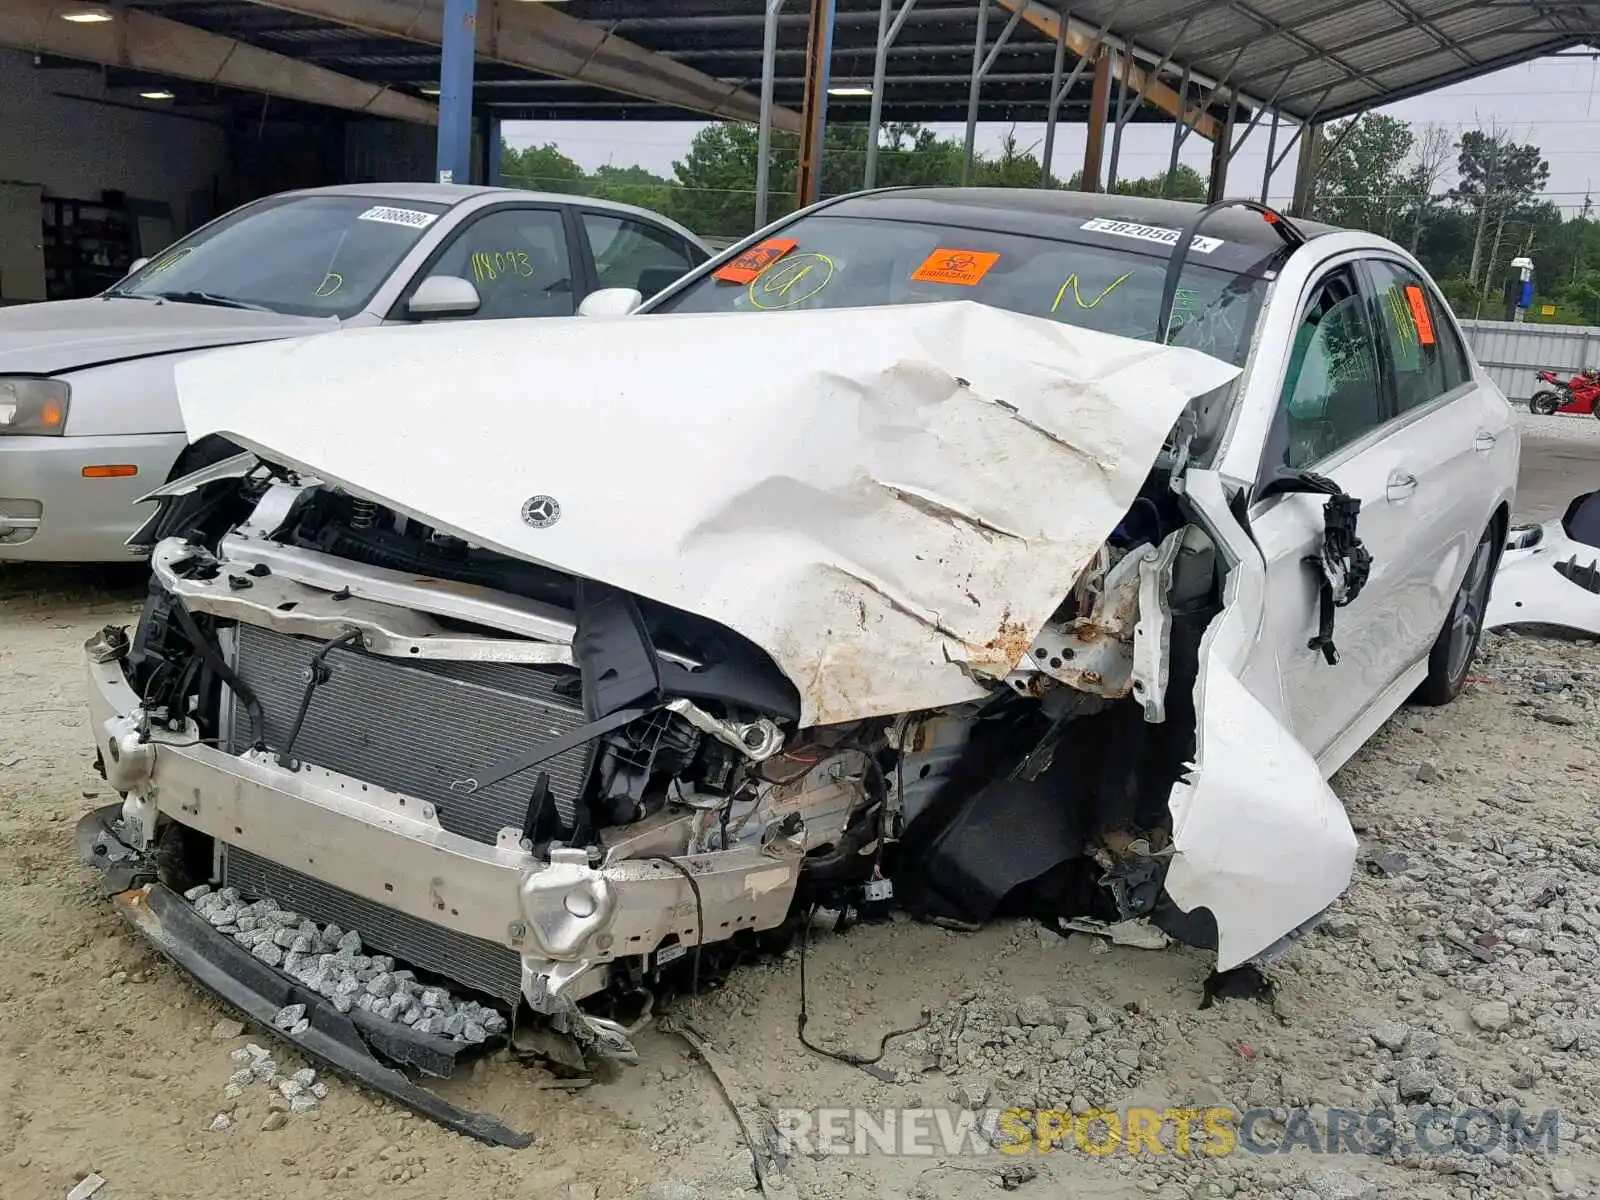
<point x="1262" y="841"/>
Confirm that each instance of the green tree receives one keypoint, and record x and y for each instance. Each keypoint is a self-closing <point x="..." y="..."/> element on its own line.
<point x="631" y="185"/>
<point x="540" y="169"/>
<point x="1012" y="168"/>
<point x="1362" y="178"/>
<point x="1497" y="178"/>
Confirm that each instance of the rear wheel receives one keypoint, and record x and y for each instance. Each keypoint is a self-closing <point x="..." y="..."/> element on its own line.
<point x="1457" y="646"/>
<point x="1544" y="403"/>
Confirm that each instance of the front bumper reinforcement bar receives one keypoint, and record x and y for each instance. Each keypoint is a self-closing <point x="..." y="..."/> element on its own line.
<point x="258" y="991"/>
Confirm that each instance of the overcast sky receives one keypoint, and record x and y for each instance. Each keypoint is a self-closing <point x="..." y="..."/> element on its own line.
<point x="1550" y="102"/>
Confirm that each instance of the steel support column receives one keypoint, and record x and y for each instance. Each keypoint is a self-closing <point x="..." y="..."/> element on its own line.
<point x="972" y="91"/>
<point x="1170" y="183"/>
<point x="492" y="142"/>
<point x="1203" y="106"/>
<point x="1217" y="187"/>
<point x="814" y="111"/>
<point x="1095" y="142"/>
<point x="1305" y="170"/>
<point x="1146" y="81"/>
<point x="1053" y="110"/>
<point x="769" y="58"/>
<point x="887" y="33"/>
<point x="1272" y="148"/>
<point x="1123" y="108"/>
<point x="454" y="157"/>
<point x="1060" y="91"/>
<point x="982" y="63"/>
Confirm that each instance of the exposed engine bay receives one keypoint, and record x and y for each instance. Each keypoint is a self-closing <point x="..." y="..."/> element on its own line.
<point x="333" y="638"/>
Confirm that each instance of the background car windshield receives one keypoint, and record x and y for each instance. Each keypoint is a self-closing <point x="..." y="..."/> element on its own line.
<point x="846" y="262"/>
<point x="307" y="255"/>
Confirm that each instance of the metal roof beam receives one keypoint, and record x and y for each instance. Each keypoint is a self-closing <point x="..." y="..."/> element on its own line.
<point x="864" y="18"/>
<point x="1047" y="22"/>
<point x="1272" y="28"/>
<point x="145" y="42"/>
<point x="1422" y="21"/>
<point x="1356" y="43"/>
<point x="538" y="38"/>
<point x="1484" y="67"/>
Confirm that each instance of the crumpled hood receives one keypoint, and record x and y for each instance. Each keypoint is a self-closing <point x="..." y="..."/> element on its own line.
<point x="64" y="335"/>
<point x="891" y="502"/>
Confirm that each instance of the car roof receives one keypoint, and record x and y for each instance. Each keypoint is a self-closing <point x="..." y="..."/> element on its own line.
<point x="1249" y="244"/>
<point x="1054" y="212"/>
<point x="457" y="193"/>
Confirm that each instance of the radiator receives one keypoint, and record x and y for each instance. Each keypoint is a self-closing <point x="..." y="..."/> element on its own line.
<point x="484" y="966"/>
<point x="413" y="727"/>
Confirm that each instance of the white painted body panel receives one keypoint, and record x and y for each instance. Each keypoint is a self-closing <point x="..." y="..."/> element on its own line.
<point x="888" y="501"/>
<point x="1528" y="590"/>
<point x="1464" y="451"/>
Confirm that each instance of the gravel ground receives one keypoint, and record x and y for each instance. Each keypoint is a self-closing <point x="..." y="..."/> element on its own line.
<point x="1566" y="427"/>
<point x="1458" y="973"/>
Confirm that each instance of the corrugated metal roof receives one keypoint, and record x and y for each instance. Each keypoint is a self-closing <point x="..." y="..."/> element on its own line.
<point x="1311" y="59"/>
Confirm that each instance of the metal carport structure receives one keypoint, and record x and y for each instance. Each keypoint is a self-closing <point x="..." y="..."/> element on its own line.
<point x="1217" y="68"/>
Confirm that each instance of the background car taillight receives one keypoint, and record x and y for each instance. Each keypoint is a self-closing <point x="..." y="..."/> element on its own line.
<point x="33" y="406"/>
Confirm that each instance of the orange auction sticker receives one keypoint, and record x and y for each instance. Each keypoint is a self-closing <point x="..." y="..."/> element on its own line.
<point x="754" y="260"/>
<point x="965" y="267"/>
<point x="1419" y="314"/>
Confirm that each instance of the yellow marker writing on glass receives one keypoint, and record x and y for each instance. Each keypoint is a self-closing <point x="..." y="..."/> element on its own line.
<point x="791" y="281"/>
<point x="1077" y="296"/>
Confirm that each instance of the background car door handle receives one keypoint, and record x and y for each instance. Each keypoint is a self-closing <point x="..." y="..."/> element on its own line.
<point x="1401" y="485"/>
<point x="1484" y="442"/>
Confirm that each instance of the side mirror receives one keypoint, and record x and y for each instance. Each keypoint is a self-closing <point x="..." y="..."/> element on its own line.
<point x="138" y="265"/>
<point x="443" y="296"/>
<point x="610" y="302"/>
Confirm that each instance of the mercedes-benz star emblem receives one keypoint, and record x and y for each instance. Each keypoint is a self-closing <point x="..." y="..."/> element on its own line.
<point x="541" y="511"/>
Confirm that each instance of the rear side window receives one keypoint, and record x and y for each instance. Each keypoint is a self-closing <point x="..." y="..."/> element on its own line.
<point x="1426" y="358"/>
<point x="633" y="254"/>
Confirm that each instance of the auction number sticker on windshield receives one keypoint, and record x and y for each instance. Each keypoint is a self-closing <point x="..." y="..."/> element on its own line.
<point x="1419" y="314"/>
<point x="410" y="217"/>
<point x="1149" y="233"/>
<point x="964" y="267"/>
<point x="755" y="260"/>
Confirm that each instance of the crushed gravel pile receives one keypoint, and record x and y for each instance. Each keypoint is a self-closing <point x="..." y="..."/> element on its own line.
<point x="329" y="961"/>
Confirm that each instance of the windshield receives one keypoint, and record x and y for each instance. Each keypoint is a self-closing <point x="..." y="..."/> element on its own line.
<point x="314" y="256"/>
<point x="852" y="262"/>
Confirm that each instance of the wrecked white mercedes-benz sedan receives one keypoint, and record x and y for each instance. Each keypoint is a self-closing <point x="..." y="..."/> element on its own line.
<point x="969" y="552"/>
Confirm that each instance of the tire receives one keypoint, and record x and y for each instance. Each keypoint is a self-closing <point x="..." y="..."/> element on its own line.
<point x="1451" y="658"/>
<point x="1544" y="403"/>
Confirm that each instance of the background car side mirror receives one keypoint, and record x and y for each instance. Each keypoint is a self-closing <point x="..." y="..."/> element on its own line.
<point x="443" y="296"/>
<point x="138" y="265"/>
<point x="610" y="302"/>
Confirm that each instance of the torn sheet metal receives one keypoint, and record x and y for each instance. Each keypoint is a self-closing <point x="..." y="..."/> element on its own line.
<point x="1546" y="578"/>
<point x="1262" y="841"/>
<point x="890" y="501"/>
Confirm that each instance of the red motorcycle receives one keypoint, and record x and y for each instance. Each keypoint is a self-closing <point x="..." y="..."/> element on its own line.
<point x="1580" y="394"/>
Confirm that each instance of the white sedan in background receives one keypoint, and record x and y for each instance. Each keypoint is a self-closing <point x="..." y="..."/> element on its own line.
<point x="89" y="417"/>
